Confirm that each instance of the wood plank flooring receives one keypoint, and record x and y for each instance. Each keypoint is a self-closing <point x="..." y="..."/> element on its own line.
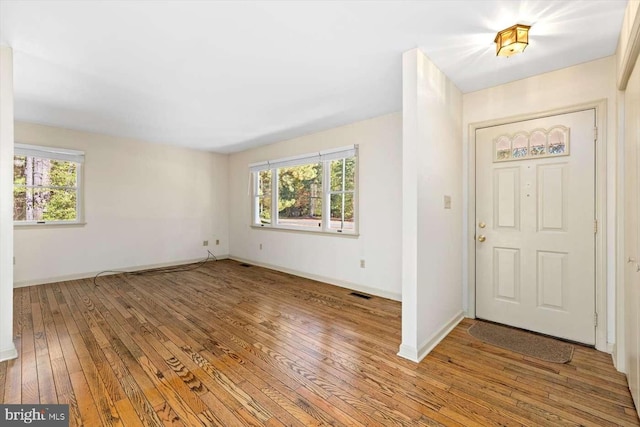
<point x="229" y="345"/>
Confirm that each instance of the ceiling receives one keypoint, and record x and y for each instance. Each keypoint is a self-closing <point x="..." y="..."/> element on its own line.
<point x="226" y="76"/>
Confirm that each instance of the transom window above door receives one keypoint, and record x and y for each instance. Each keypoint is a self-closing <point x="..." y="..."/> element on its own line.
<point x="535" y="144"/>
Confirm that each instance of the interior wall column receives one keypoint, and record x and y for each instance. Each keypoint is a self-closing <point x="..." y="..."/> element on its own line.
<point x="7" y="346"/>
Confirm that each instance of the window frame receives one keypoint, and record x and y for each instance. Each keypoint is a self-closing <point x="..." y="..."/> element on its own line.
<point x="60" y="154"/>
<point x="323" y="157"/>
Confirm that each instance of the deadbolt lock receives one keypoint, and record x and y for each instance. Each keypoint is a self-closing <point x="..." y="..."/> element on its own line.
<point x="482" y="224"/>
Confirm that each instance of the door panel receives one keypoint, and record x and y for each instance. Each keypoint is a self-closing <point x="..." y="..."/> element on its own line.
<point x="552" y="197"/>
<point x="535" y="211"/>
<point x="507" y="198"/>
<point x="506" y="274"/>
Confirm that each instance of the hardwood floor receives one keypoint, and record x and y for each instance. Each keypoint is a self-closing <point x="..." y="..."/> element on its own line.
<point x="229" y="345"/>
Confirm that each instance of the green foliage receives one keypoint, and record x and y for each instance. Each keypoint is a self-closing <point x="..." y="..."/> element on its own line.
<point x="264" y="196"/>
<point x="61" y="202"/>
<point x="44" y="189"/>
<point x="19" y="192"/>
<point x="343" y="179"/>
<point x="300" y="191"/>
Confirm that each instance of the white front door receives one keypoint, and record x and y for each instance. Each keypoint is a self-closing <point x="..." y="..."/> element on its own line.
<point x="535" y="219"/>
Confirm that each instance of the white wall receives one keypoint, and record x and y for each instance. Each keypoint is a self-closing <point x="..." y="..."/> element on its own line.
<point x="582" y="83"/>
<point x="626" y="61"/>
<point x="627" y="46"/>
<point x="7" y="348"/>
<point x="431" y="235"/>
<point x="332" y="258"/>
<point x="145" y="204"/>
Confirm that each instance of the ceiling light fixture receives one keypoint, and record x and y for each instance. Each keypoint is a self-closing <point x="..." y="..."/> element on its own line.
<point x="512" y="40"/>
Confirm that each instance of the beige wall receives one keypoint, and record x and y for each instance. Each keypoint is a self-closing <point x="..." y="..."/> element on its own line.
<point x="145" y="204"/>
<point x="332" y="258"/>
<point x="580" y="84"/>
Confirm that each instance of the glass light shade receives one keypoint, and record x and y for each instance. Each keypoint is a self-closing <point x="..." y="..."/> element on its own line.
<point x="512" y="40"/>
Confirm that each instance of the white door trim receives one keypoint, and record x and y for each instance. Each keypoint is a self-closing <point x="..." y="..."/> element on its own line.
<point x="600" y="107"/>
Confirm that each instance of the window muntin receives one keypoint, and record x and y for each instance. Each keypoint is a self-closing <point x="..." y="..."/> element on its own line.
<point x="46" y="185"/>
<point x="315" y="192"/>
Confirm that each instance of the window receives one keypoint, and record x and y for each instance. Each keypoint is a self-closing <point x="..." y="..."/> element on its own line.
<point x="46" y="185"/>
<point x="342" y="193"/>
<point x="539" y="143"/>
<point x="263" y="197"/>
<point x="315" y="192"/>
<point x="300" y="195"/>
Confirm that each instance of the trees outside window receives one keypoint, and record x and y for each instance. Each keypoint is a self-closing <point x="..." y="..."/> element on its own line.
<point x="262" y="198"/>
<point x="46" y="185"/>
<point x="300" y="196"/>
<point x="343" y="188"/>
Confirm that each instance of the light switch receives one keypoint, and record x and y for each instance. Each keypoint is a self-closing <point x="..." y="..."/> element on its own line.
<point x="447" y="202"/>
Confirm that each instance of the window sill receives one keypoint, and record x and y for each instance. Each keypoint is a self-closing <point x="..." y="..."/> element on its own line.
<point x="303" y="231"/>
<point x="50" y="224"/>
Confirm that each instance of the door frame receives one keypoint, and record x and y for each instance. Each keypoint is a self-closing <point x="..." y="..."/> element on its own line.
<point x="600" y="107"/>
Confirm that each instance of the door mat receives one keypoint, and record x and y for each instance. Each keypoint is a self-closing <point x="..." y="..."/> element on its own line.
<point x="526" y="343"/>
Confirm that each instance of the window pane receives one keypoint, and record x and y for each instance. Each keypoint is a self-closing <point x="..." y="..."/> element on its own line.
<point x="342" y="211"/>
<point x="264" y="183"/>
<point x="62" y="174"/>
<point x="538" y="142"/>
<point x="557" y="140"/>
<point x="300" y="195"/>
<point x="44" y="204"/>
<point x="59" y="204"/>
<point x="264" y="210"/>
<point x="520" y="146"/>
<point x="343" y="169"/>
<point x="19" y="173"/>
<point x="20" y="203"/>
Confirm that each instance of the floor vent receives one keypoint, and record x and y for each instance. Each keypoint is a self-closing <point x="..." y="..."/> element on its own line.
<point x="359" y="295"/>
<point x="244" y="264"/>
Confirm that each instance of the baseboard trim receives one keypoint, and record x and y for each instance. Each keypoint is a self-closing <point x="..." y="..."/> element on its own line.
<point x="92" y="274"/>
<point x="417" y="354"/>
<point x="8" y="353"/>
<point x="408" y="352"/>
<point x="614" y="357"/>
<point x="335" y="282"/>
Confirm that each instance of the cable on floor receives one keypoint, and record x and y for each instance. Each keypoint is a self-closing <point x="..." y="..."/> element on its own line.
<point x="155" y="271"/>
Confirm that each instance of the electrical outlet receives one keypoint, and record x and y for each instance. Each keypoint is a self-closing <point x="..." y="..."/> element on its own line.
<point x="361" y="263"/>
<point x="205" y="243"/>
<point x="260" y="246"/>
<point x="217" y="242"/>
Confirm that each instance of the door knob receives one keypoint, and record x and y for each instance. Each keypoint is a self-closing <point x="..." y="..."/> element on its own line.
<point x="481" y="238"/>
